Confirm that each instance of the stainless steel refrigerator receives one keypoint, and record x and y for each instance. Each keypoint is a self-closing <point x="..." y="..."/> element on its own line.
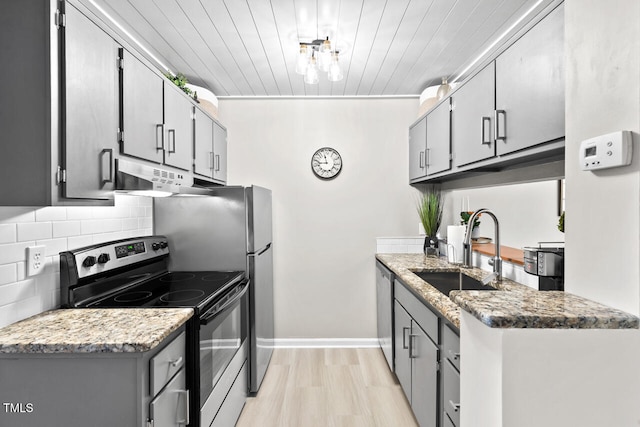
<point x="229" y="229"/>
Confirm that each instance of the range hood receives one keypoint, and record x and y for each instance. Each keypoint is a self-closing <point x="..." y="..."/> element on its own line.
<point x="142" y="179"/>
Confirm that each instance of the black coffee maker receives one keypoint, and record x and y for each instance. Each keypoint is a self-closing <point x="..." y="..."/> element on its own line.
<point x="548" y="264"/>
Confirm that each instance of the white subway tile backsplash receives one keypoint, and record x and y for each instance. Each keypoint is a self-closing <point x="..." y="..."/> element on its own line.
<point x="51" y="214"/>
<point x="8" y="233"/>
<point x="16" y="214"/>
<point x="8" y="274"/>
<point x="34" y="231"/>
<point x="14" y="252"/>
<point x="78" y="242"/>
<point x="59" y="229"/>
<point x="66" y="228"/>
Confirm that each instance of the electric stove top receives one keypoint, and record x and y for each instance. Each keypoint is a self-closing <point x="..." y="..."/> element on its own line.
<point x="174" y="289"/>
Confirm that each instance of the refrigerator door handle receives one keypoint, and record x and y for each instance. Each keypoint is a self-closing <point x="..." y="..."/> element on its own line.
<point x="265" y="249"/>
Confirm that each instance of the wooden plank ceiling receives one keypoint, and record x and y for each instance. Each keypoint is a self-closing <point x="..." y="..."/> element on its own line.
<point x="249" y="47"/>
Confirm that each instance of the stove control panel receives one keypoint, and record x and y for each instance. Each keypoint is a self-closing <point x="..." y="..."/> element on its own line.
<point x="103" y="257"/>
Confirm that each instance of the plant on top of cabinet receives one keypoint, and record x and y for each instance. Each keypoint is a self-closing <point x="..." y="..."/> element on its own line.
<point x="181" y="81"/>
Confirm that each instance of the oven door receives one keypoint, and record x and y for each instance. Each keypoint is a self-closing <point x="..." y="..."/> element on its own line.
<point x="223" y="331"/>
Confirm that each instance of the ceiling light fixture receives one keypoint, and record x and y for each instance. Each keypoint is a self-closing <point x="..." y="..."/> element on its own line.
<point x="315" y="56"/>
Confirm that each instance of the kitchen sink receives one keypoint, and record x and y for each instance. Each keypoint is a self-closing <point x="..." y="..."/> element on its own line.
<point x="447" y="281"/>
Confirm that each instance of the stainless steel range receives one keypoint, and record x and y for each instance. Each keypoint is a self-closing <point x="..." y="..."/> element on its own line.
<point x="134" y="273"/>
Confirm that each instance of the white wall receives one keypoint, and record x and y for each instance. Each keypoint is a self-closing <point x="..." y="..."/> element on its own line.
<point x="527" y="213"/>
<point x="59" y="229"/>
<point x="325" y="231"/>
<point x="602" y="96"/>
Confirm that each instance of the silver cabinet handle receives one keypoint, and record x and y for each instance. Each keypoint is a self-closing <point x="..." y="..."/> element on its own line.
<point x="176" y="362"/>
<point x="412" y="346"/>
<point x="211" y="161"/>
<point x="161" y="139"/>
<point x="455" y="406"/>
<point x="172" y="140"/>
<point x="185" y="419"/>
<point x="454" y="356"/>
<point x="108" y="151"/>
<point x="485" y="141"/>
<point x="497" y="123"/>
<point x="217" y="162"/>
<point x="404" y="340"/>
<point x="426" y="163"/>
<point x="422" y="160"/>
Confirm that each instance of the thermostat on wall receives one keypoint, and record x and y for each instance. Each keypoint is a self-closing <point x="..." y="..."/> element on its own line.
<point x="606" y="151"/>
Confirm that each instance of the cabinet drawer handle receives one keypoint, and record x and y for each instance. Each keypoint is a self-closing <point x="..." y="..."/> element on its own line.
<point x="404" y="339"/>
<point x="185" y="419"/>
<point x="485" y="141"/>
<point x="176" y="362"/>
<point x="211" y="161"/>
<point x="426" y="162"/>
<point x="108" y="151"/>
<point x="504" y="125"/>
<point x="412" y="346"/>
<point x="217" y="162"/>
<point x="172" y="141"/>
<point x="422" y="160"/>
<point x="161" y="139"/>
<point x="454" y="356"/>
<point x="455" y="406"/>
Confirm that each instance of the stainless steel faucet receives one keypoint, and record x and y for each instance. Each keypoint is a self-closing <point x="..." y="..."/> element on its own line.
<point x="496" y="261"/>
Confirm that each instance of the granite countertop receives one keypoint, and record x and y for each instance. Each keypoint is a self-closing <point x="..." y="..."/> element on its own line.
<point x="87" y="330"/>
<point x="512" y="305"/>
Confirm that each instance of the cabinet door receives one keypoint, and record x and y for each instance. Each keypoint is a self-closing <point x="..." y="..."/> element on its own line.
<point x="417" y="150"/>
<point x="178" y="121"/>
<point x="530" y="87"/>
<point x="438" y="157"/>
<point x="424" y="376"/>
<point x="402" y="330"/>
<point x="142" y="115"/>
<point x="451" y="392"/>
<point x="384" y="300"/>
<point x="91" y="108"/>
<point x="472" y="118"/>
<point x="220" y="152"/>
<point x="203" y="162"/>
<point x="170" y="408"/>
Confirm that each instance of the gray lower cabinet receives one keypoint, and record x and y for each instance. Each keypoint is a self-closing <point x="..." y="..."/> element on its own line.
<point x="97" y="389"/>
<point x="530" y="87"/>
<point x="472" y="118"/>
<point x="451" y="376"/>
<point x="384" y="307"/>
<point x="416" y="355"/>
<point x="210" y="148"/>
<point x="418" y="150"/>
<point x="58" y="113"/>
<point x="438" y="156"/>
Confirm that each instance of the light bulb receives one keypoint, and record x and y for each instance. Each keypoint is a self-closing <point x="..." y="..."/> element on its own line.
<point x="303" y="60"/>
<point x="335" y="72"/>
<point x="311" y="76"/>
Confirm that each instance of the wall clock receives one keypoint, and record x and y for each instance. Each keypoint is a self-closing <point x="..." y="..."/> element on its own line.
<point x="326" y="163"/>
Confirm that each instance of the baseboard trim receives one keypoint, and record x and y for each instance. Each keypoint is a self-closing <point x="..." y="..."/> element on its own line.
<point x="325" y="342"/>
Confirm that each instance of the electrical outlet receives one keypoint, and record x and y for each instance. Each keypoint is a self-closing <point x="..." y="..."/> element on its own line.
<point x="35" y="260"/>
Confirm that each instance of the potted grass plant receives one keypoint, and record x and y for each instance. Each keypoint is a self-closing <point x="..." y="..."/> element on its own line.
<point x="429" y="208"/>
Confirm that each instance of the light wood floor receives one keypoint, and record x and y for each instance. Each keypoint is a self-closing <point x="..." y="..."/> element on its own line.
<point x="328" y="388"/>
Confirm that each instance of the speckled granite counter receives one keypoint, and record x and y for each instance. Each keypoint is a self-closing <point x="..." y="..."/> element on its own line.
<point x="93" y="330"/>
<point x="513" y="305"/>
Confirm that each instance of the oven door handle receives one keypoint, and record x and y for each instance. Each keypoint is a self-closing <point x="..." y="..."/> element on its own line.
<point x="210" y="315"/>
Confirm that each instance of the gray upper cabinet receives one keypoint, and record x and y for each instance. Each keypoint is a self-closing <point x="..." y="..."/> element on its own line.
<point x="57" y="115"/>
<point x="203" y="145"/>
<point x="210" y="145"/>
<point x="91" y="110"/>
<point x="142" y="110"/>
<point x="472" y="118"/>
<point x="178" y="133"/>
<point x="530" y="87"/>
<point x="438" y="157"/>
<point x="220" y="153"/>
<point x="417" y="150"/>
